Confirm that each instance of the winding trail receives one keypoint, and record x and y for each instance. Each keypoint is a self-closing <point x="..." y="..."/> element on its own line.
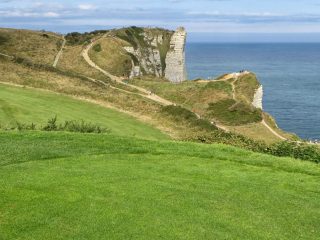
<point x="143" y="92"/>
<point x="273" y="131"/>
<point x="156" y="98"/>
<point x="263" y="122"/>
<point x="56" y="60"/>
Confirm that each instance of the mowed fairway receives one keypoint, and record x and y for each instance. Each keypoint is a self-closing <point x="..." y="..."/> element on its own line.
<point x="35" y="106"/>
<point x="87" y="186"/>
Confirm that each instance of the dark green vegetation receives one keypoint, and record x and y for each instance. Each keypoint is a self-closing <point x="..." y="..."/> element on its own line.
<point x="73" y="126"/>
<point x="19" y="106"/>
<point x="211" y="99"/>
<point x="97" y="48"/>
<point x="201" y="130"/>
<point x="76" y="38"/>
<point x="180" y="114"/>
<point x="3" y="39"/>
<point x="231" y="112"/>
<point x="80" y="186"/>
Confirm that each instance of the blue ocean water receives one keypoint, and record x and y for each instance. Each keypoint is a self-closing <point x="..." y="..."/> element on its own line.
<point x="290" y="74"/>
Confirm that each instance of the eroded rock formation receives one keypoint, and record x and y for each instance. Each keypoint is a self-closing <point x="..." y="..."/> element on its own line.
<point x="175" y="61"/>
<point x="160" y="53"/>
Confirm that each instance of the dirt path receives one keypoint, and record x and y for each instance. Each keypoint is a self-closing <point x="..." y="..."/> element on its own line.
<point x="163" y="101"/>
<point x="273" y="131"/>
<point x="143" y="92"/>
<point x="5" y="55"/>
<point x="56" y="60"/>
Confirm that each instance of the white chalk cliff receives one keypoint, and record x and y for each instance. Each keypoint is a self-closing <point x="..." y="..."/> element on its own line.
<point x="257" y="99"/>
<point x="175" y="61"/>
<point x="170" y="65"/>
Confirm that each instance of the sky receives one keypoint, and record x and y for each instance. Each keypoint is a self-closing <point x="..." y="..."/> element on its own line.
<point x="205" y="20"/>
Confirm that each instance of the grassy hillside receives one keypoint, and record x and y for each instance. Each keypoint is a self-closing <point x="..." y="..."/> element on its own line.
<point x="79" y="186"/>
<point x="226" y="103"/>
<point x="34" y="106"/>
<point x="41" y="47"/>
<point x="108" y="53"/>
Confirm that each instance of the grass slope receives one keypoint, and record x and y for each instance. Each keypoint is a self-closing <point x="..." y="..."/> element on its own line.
<point x="112" y="57"/>
<point x="40" y="47"/>
<point x="80" y="186"/>
<point x="34" y="106"/>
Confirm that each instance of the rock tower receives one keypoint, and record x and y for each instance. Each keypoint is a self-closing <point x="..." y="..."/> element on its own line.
<point x="175" y="61"/>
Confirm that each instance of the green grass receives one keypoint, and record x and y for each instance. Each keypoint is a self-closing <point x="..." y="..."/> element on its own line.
<point x="231" y="112"/>
<point x="87" y="186"/>
<point x="34" y="106"/>
<point x="246" y="87"/>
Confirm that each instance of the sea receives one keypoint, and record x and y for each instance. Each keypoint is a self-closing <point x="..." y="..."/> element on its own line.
<point x="289" y="72"/>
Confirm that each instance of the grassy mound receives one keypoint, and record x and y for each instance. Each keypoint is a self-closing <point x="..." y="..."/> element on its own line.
<point x="18" y="105"/>
<point x="231" y="112"/>
<point x="108" y="53"/>
<point x="81" y="186"/>
<point x="40" y="47"/>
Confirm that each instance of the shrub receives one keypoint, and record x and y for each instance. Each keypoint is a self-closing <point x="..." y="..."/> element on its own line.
<point x="82" y="127"/>
<point x="232" y="112"/>
<point x="97" y="48"/>
<point x="181" y="114"/>
<point x="68" y="126"/>
<point x="19" y="126"/>
<point x="298" y="150"/>
<point x="3" y="39"/>
<point x="74" y="126"/>
<point x="51" y="125"/>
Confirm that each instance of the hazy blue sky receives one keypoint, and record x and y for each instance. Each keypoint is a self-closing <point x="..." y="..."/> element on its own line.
<point x="241" y="20"/>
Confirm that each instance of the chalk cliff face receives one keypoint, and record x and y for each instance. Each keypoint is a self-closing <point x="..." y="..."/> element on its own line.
<point x="175" y="61"/>
<point x="257" y="99"/>
<point x="146" y="51"/>
<point x="158" y="52"/>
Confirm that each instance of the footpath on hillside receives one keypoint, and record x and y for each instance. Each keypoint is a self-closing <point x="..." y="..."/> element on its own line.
<point x="146" y="93"/>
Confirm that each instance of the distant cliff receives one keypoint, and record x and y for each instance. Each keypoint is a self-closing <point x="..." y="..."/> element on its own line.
<point x="156" y="51"/>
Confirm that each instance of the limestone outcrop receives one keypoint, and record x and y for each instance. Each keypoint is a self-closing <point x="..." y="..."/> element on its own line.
<point x="175" y="61"/>
<point x="148" y="55"/>
<point x="160" y="53"/>
<point x="258" y="98"/>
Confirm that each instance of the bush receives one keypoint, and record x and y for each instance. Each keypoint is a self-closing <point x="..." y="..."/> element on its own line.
<point x="74" y="126"/>
<point x="296" y="150"/>
<point x="19" y="126"/>
<point x="97" y="48"/>
<point x="82" y="127"/>
<point x="181" y="114"/>
<point x="68" y="126"/>
<point x="231" y="112"/>
<point x="3" y="39"/>
<point x="51" y="125"/>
